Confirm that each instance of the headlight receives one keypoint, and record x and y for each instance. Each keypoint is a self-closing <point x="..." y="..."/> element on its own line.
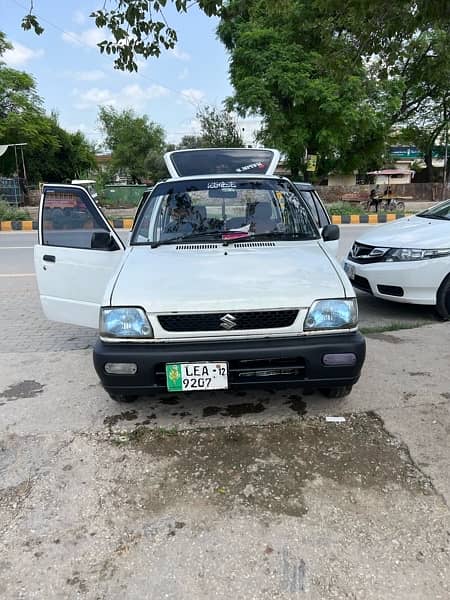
<point x="124" y="322"/>
<point x="399" y="254"/>
<point x="332" y="314"/>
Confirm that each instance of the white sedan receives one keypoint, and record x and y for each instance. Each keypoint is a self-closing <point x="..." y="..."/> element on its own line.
<point x="407" y="260"/>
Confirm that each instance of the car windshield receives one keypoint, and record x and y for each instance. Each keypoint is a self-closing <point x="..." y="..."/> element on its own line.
<point x="440" y="211"/>
<point x="224" y="209"/>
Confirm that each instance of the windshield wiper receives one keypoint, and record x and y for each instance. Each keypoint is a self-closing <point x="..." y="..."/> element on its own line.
<point x="282" y="235"/>
<point x="191" y="237"/>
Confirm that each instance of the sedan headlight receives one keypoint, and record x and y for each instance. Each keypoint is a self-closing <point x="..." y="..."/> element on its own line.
<point x="332" y="314"/>
<point x="124" y="322"/>
<point x="401" y="254"/>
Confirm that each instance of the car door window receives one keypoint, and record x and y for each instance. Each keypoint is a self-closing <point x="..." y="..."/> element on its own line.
<point x="316" y="207"/>
<point x="308" y="198"/>
<point x="69" y="218"/>
<point x="322" y="213"/>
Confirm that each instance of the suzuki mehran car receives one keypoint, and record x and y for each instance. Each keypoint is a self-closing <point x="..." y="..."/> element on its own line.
<point x="226" y="281"/>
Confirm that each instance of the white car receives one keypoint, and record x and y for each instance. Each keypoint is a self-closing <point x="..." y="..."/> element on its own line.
<point x="226" y="281"/>
<point x="407" y="260"/>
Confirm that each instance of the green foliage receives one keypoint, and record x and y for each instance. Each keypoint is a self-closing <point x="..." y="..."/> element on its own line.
<point x="134" y="142"/>
<point x="289" y="66"/>
<point x="11" y="213"/>
<point x="219" y="129"/>
<point x="51" y="154"/>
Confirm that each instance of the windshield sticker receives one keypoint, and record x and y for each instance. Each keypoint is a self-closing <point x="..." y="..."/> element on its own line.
<point x="256" y="165"/>
<point x="216" y="185"/>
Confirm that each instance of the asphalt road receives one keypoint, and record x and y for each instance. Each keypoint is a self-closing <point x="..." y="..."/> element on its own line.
<point x="16" y="264"/>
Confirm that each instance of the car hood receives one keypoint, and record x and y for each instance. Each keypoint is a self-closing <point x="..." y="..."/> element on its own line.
<point x="409" y="232"/>
<point x="224" y="278"/>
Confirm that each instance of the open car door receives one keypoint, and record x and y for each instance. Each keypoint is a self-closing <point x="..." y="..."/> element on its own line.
<point x="77" y="254"/>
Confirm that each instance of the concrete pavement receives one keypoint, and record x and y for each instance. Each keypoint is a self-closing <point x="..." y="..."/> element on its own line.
<point x="221" y="495"/>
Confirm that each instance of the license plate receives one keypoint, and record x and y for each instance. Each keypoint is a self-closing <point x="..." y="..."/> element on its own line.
<point x="181" y="377"/>
<point x="350" y="270"/>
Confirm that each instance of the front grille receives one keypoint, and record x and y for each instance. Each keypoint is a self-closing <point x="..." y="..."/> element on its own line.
<point x="361" y="283"/>
<point x="360" y="253"/>
<point x="254" y="371"/>
<point x="268" y="319"/>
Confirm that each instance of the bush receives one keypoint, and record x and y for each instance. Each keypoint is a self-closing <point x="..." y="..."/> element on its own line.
<point x="11" y="213"/>
<point x="345" y="208"/>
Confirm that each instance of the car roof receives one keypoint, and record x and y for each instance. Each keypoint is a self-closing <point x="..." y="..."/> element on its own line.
<point x="217" y="176"/>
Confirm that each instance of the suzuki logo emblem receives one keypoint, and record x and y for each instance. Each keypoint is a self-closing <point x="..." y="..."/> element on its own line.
<point x="228" y="321"/>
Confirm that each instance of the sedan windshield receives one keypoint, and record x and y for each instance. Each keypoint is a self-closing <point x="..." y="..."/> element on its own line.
<point x="224" y="210"/>
<point x="440" y="211"/>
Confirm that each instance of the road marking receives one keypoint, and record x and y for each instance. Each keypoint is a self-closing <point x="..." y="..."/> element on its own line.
<point x="17" y="274"/>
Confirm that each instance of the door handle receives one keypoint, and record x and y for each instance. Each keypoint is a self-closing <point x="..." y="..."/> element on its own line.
<point x="49" y="258"/>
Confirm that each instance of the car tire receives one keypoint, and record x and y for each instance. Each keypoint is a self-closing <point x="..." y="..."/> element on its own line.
<point x="337" y="392"/>
<point x="124" y="398"/>
<point x="443" y="299"/>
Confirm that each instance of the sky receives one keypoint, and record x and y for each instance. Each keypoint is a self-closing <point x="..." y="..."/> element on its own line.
<point x="74" y="79"/>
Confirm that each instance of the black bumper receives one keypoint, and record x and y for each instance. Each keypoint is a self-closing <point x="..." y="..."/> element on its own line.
<point x="251" y="363"/>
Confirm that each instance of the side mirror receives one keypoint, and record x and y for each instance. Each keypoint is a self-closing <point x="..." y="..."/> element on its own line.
<point x="330" y="233"/>
<point x="103" y="240"/>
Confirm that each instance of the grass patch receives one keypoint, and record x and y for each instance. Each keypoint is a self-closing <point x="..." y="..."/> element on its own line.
<point x="11" y="213"/>
<point x="348" y="208"/>
<point x="396" y="326"/>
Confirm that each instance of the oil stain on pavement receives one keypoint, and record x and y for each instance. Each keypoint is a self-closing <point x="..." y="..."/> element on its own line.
<point x="25" y="389"/>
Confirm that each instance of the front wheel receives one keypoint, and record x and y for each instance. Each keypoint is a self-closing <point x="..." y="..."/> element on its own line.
<point x="125" y="398"/>
<point x="443" y="299"/>
<point x="337" y="392"/>
<point x="400" y="206"/>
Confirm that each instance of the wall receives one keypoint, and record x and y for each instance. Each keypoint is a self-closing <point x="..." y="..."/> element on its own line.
<point x="419" y="192"/>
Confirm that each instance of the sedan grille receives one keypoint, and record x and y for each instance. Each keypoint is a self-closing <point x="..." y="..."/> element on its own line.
<point x="268" y="319"/>
<point x="364" y="254"/>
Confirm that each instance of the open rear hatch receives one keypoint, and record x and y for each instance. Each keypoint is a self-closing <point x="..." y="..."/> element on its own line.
<point x="222" y="161"/>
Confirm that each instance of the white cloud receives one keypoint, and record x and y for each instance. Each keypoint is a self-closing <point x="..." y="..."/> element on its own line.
<point x="88" y="37"/>
<point x="180" y="54"/>
<point x="79" y="17"/>
<point x="94" y="97"/>
<point x="20" y="55"/>
<point x="132" y="95"/>
<point x="93" y="75"/>
<point x="184" y="74"/>
<point x="193" y="96"/>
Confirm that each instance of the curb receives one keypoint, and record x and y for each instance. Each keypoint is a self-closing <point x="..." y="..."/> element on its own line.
<point x="365" y="219"/>
<point x="33" y="225"/>
<point x="128" y="223"/>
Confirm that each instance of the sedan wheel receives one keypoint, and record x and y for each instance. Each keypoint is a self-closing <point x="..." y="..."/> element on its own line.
<point x="443" y="299"/>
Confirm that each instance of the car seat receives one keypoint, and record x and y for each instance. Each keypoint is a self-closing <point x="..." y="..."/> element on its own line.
<point x="260" y="217"/>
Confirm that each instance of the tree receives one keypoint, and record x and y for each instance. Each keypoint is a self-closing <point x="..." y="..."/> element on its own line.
<point x="51" y="154"/>
<point x="219" y="128"/>
<point x="139" y="27"/>
<point x="288" y="66"/>
<point x="131" y="139"/>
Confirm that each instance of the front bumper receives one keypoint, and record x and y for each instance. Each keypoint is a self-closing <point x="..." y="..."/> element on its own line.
<point x="270" y="361"/>
<point x="414" y="282"/>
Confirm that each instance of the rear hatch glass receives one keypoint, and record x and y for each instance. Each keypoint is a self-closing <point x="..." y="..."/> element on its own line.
<point x="210" y="161"/>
